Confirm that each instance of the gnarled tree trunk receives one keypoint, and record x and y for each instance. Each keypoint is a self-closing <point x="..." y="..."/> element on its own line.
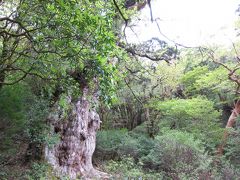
<point x="72" y="156"/>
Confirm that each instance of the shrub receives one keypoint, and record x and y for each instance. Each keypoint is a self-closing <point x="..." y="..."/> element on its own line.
<point x="140" y="130"/>
<point x="129" y="147"/>
<point x="232" y="148"/>
<point x="223" y="169"/>
<point x="114" y="144"/>
<point x="137" y="147"/>
<point x="41" y="171"/>
<point x="108" y="142"/>
<point x="38" y="171"/>
<point x="178" y="155"/>
<point x="126" y="168"/>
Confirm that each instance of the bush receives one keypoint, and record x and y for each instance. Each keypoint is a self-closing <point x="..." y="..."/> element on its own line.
<point x="177" y="155"/>
<point x="140" y="130"/>
<point x="126" y="168"/>
<point x="232" y="147"/>
<point x="38" y="171"/>
<point x="108" y="143"/>
<point x="130" y="147"/>
<point x="41" y="171"/>
<point x="136" y="147"/>
<point x="223" y="169"/>
<point x="114" y="144"/>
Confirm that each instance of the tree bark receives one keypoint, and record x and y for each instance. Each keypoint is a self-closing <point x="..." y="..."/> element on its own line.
<point x="230" y="123"/>
<point x="72" y="156"/>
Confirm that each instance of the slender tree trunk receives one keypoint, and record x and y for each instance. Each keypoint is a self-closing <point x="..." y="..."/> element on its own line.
<point x="3" y="58"/>
<point x="127" y="116"/>
<point x="72" y="156"/>
<point x="139" y="116"/>
<point x="2" y="78"/>
<point x="150" y="123"/>
<point x="230" y="124"/>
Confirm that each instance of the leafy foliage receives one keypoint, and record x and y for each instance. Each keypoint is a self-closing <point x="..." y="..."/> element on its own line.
<point x="38" y="171"/>
<point x="190" y="78"/>
<point x="126" y="168"/>
<point x="233" y="143"/>
<point x="59" y="38"/>
<point x="108" y="143"/>
<point x="196" y="115"/>
<point x="13" y="109"/>
<point x="114" y="144"/>
<point x="36" y="125"/>
<point x="178" y="154"/>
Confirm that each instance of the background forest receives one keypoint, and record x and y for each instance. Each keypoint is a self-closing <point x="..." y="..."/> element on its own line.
<point x="162" y="111"/>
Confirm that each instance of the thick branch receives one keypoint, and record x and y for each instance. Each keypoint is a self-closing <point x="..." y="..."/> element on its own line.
<point x="133" y="52"/>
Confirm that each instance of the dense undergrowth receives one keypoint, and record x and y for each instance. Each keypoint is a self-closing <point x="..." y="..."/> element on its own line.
<point x="172" y="154"/>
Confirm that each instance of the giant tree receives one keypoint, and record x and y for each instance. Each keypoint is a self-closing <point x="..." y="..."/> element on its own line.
<point x="68" y="44"/>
